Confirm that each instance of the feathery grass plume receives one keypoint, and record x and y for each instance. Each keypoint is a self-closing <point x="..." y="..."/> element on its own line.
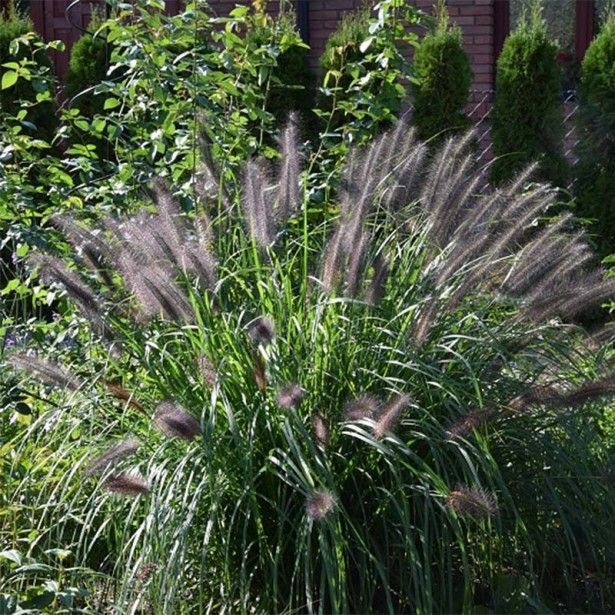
<point x="472" y="502"/>
<point x="319" y="505"/>
<point x="333" y="262"/>
<point x="262" y="331"/>
<point x="446" y="189"/>
<point x="364" y="406"/>
<point x="256" y="202"/>
<point x="289" y="189"/>
<point x="53" y="269"/>
<point x="209" y="185"/>
<point x="95" y="252"/>
<point x="583" y="297"/>
<point x="605" y="387"/>
<point x="145" y="572"/>
<point x="119" y="392"/>
<point x="389" y="415"/>
<point x="425" y="320"/>
<point x="604" y="335"/>
<point x="377" y="284"/>
<point x="127" y="484"/>
<point x="207" y="370"/>
<point x="536" y="395"/>
<point x="112" y="456"/>
<point x="175" y="422"/>
<point x="201" y="262"/>
<point x="171" y="299"/>
<point x="290" y="397"/>
<point x="544" y="260"/>
<point x="470" y="421"/>
<point x="407" y="178"/>
<point x="321" y="431"/>
<point x="45" y="371"/>
<point x="169" y="212"/>
<point x="522" y="212"/>
<point x="356" y="265"/>
<point x="259" y="372"/>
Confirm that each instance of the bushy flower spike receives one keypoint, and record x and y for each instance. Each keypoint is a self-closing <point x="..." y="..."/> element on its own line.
<point x="289" y="195"/>
<point x="45" y="371"/>
<point x="290" y="397"/>
<point x="389" y="415"/>
<point x="53" y="269"/>
<point x="364" y="406"/>
<point x="112" y="456"/>
<point x="262" y="330"/>
<point x="257" y="205"/>
<point x="127" y="484"/>
<point x="207" y="370"/>
<point x="472" y="420"/>
<point x="321" y="431"/>
<point x="472" y="502"/>
<point x="175" y="422"/>
<point x="548" y="395"/>
<point x="319" y="505"/>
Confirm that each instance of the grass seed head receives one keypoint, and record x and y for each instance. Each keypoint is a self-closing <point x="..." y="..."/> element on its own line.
<point x="127" y="484"/>
<point x="112" y="456"/>
<point x="262" y="331"/>
<point x="472" y="502"/>
<point x="319" y="505"/>
<point x="175" y="422"/>
<point x="290" y="397"/>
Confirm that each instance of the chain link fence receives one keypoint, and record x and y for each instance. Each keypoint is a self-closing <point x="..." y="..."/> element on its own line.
<point x="480" y="112"/>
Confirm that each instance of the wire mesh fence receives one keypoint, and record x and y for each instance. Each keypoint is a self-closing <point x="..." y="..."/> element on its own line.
<point x="480" y="112"/>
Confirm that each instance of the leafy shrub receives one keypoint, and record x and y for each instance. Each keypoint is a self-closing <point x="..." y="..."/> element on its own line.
<point x="291" y="82"/>
<point x="382" y="413"/>
<point x="87" y="68"/>
<point x="19" y="91"/>
<point x="527" y="116"/>
<point x="365" y="70"/>
<point x="595" y="185"/>
<point x="442" y="80"/>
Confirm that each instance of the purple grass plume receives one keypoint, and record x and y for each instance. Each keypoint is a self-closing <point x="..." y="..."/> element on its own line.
<point x="321" y="431"/>
<point x="319" y="505"/>
<point x="112" y="456"/>
<point x="175" y="422"/>
<point x="262" y="331"/>
<point x="389" y="415"/>
<point x="127" y="484"/>
<point x="364" y="406"/>
<point x="207" y="370"/>
<point x="259" y="371"/>
<point x="473" y="419"/>
<point x="473" y="502"/>
<point x="290" y="397"/>
<point x="45" y="371"/>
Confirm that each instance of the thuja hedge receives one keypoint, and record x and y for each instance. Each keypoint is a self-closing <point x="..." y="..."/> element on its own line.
<point x="527" y="117"/>
<point x="595" y="172"/>
<point x="441" y="80"/>
<point x="87" y="68"/>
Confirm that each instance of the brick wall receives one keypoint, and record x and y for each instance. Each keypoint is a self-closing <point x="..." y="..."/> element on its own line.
<point x="475" y="17"/>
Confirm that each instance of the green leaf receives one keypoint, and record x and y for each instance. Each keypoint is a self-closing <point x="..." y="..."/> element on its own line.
<point x="9" y="79"/>
<point x="366" y="44"/>
<point x="111" y="103"/>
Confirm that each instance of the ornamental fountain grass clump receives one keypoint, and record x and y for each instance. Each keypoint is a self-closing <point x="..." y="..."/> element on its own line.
<point x="386" y="411"/>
